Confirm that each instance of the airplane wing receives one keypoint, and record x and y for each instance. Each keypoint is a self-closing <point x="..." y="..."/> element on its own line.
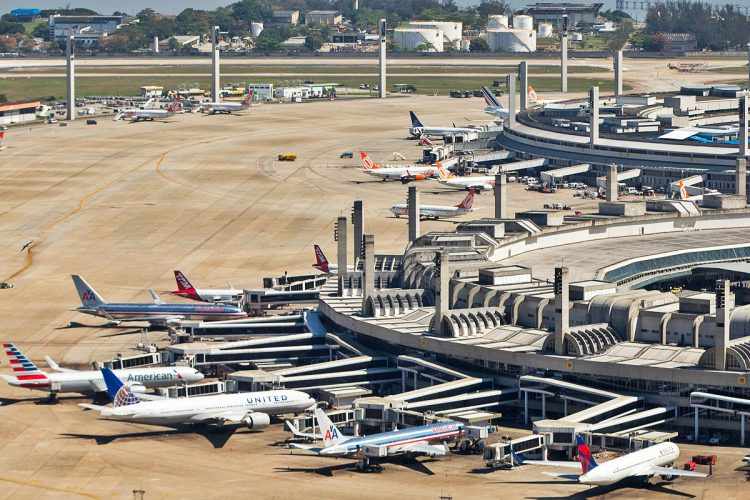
<point x="669" y="471"/>
<point x="90" y="406"/>
<point x="569" y="465"/>
<point x="421" y="448"/>
<point x="52" y="364"/>
<point x="299" y="434"/>
<point x="307" y="447"/>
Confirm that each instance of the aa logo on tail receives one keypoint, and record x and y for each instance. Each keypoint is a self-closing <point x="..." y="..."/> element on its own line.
<point x="331" y="434"/>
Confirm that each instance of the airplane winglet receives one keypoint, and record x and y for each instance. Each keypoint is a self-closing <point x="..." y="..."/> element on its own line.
<point x="155" y="296"/>
<point x="52" y="364"/>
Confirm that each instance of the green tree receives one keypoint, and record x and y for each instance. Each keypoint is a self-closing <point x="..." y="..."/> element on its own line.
<point x="314" y="41"/>
<point x="11" y="28"/>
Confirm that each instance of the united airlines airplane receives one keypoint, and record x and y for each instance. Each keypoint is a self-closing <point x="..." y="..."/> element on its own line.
<point x="156" y="312"/>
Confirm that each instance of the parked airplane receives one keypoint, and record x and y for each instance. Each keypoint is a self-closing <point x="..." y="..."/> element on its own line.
<point x="146" y="113"/>
<point x="156" y="312"/>
<point x="65" y="380"/>
<point x="412" y="441"/>
<point x="418" y="129"/>
<point x="438" y="211"/>
<point x="476" y="183"/>
<point x="321" y="262"/>
<point x="215" y="295"/>
<point x="493" y="105"/>
<point x="253" y="409"/>
<point x="403" y="173"/>
<point x="644" y="463"/>
<point x="227" y="107"/>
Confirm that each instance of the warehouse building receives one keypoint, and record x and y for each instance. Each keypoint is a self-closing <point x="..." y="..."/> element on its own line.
<point x="18" y="112"/>
<point x="97" y="27"/>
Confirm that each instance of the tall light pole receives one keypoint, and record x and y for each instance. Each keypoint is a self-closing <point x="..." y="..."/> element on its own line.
<point x="70" y="63"/>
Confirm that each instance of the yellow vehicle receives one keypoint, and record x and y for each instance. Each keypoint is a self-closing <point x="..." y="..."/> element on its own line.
<point x="287" y="157"/>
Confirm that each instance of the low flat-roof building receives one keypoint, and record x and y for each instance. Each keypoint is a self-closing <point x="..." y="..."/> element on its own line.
<point x="97" y="27"/>
<point x="323" y="17"/>
<point x="678" y="42"/>
<point x="290" y="17"/>
<point x="18" y="112"/>
<point x="553" y="13"/>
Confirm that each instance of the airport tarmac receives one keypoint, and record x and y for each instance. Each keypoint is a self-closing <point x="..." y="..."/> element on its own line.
<point x="125" y="204"/>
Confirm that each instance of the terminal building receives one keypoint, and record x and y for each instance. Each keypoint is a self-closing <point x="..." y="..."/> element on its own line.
<point x="97" y="27"/>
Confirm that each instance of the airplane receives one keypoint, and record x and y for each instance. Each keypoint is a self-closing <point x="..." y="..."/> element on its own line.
<point x="146" y="113"/>
<point x="214" y="295"/>
<point x="476" y="183"/>
<point x="418" y="129"/>
<point x="252" y="409"/>
<point x="65" y="380"/>
<point x="412" y="441"/>
<point x="403" y="173"/>
<point x="157" y="312"/>
<point x="644" y="463"/>
<point x="2" y="139"/>
<point x="493" y="105"/>
<point x="438" y="211"/>
<point x="227" y="107"/>
<point x="321" y="262"/>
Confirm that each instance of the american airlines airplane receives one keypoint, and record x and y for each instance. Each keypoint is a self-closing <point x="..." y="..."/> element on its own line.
<point x="438" y="211"/>
<point x="644" y="463"/>
<point x="412" y="441"/>
<point x="418" y="129"/>
<point x="321" y="262"/>
<point x="146" y="113"/>
<point x="157" y="312"/>
<point x="253" y="409"/>
<point x="227" y="107"/>
<point x="476" y="183"/>
<point x="214" y="295"/>
<point x="405" y="173"/>
<point x="493" y="105"/>
<point x="65" y="380"/>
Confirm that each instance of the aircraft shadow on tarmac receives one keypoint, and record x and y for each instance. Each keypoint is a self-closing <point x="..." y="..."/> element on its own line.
<point x="328" y="470"/>
<point x="597" y="491"/>
<point x="217" y="438"/>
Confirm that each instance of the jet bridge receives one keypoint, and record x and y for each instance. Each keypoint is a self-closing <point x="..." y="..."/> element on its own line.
<point x="726" y="406"/>
<point x="551" y="177"/>
<point x="634" y="173"/>
<point x="515" y="166"/>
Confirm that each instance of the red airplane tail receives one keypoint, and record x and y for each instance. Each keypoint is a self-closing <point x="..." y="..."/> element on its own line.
<point x="184" y="287"/>
<point x="367" y="162"/>
<point x="175" y="105"/>
<point x="321" y="262"/>
<point x="248" y="99"/>
<point x="467" y="202"/>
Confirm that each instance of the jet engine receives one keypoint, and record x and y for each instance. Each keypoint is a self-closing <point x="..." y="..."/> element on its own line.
<point x="256" y="420"/>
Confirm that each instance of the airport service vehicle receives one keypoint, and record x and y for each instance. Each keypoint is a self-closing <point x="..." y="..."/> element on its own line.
<point x="321" y="262"/>
<point x="493" y="105"/>
<point x="65" y="380"/>
<point x="403" y="173"/>
<point x="438" y="211"/>
<point x="156" y="312"/>
<point x="214" y="295"/>
<point x="476" y="183"/>
<point x="287" y="157"/>
<point x="644" y="463"/>
<point x="146" y="113"/>
<point x="213" y="108"/>
<point x="252" y="409"/>
<point x="418" y="129"/>
<point x="412" y="441"/>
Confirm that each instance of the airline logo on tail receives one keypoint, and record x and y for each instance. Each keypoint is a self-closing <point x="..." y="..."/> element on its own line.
<point x="320" y="260"/>
<point x="248" y="99"/>
<point x="118" y="392"/>
<point x="175" y="106"/>
<point x="443" y="174"/>
<point x="425" y="141"/>
<point x="468" y="202"/>
<point x="584" y="455"/>
<point x="415" y="123"/>
<point x="184" y="287"/>
<point x="683" y="190"/>
<point x="2" y="137"/>
<point x="532" y="94"/>
<point x="24" y="368"/>
<point x="490" y="99"/>
<point x="331" y="434"/>
<point x="367" y="163"/>
<point x="89" y="297"/>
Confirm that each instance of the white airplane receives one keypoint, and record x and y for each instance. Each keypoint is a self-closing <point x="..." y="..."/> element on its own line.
<point x="322" y="264"/>
<point x="419" y="130"/>
<point x="404" y="173"/>
<point x="644" y="463"/>
<point x="438" y="211"/>
<point x="476" y="183"/>
<point x="253" y="409"/>
<point x="493" y="105"/>
<point x="216" y="295"/>
<point x="65" y="380"/>
<point x="227" y="107"/>
<point x="146" y="113"/>
<point x="412" y="441"/>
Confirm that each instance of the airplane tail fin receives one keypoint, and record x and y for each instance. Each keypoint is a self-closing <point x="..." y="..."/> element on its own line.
<point x="367" y="162"/>
<point x="24" y="369"/>
<point x="443" y="174"/>
<point x="425" y="141"/>
<point x="118" y="392"/>
<point x="175" y="106"/>
<point x="321" y="262"/>
<point x="184" y="287"/>
<point x="414" y="120"/>
<point x="2" y="137"/>
<point x="532" y="94"/>
<point x="490" y="99"/>
<point x="468" y="202"/>
<point x="331" y="434"/>
<point x="584" y="455"/>
<point x="248" y="99"/>
<point x="89" y="296"/>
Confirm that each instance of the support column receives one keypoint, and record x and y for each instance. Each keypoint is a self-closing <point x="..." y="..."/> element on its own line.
<point x="742" y="430"/>
<point x="748" y="61"/>
<point x="612" y="185"/>
<point x="740" y="178"/>
<point x="544" y="406"/>
<point x="743" y="126"/>
<point x="523" y="74"/>
<point x="565" y="407"/>
<point x="526" y="407"/>
<point x="617" y="62"/>
<point x="413" y="208"/>
<point x="501" y="200"/>
<point x="156" y="44"/>
<point x="358" y="220"/>
<point x="340" y="237"/>
<point x="70" y="61"/>
<point x="724" y="305"/>
<point x="564" y="55"/>
<point x="382" y="61"/>
<point x="696" y="426"/>
<point x="442" y="292"/>
<point x="368" y="272"/>
<point x="594" y="123"/>
<point x="215" y="71"/>
<point x="511" y="85"/>
<point x="562" y="308"/>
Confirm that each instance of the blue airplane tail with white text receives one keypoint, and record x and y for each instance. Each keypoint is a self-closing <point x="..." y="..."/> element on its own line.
<point x="414" y="120"/>
<point x="118" y="392"/>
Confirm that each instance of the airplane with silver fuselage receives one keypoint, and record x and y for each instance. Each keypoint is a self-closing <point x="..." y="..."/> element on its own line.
<point x="252" y="409"/>
<point x="418" y="129"/>
<point x="149" y="114"/>
<point x="65" y="380"/>
<point x="157" y="312"/>
<point x="438" y="211"/>
<point x="225" y="107"/>
<point x="476" y="183"/>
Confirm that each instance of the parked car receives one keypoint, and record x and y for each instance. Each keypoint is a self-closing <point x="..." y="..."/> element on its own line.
<point x="346" y="154"/>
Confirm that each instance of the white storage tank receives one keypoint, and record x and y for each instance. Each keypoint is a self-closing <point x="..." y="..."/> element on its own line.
<point x="423" y="39"/>
<point x="577" y="37"/>
<point x="544" y="30"/>
<point x="497" y="21"/>
<point x="256" y="29"/>
<point x="512" y="40"/>
<point x="523" y="22"/>
<point x="452" y="31"/>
